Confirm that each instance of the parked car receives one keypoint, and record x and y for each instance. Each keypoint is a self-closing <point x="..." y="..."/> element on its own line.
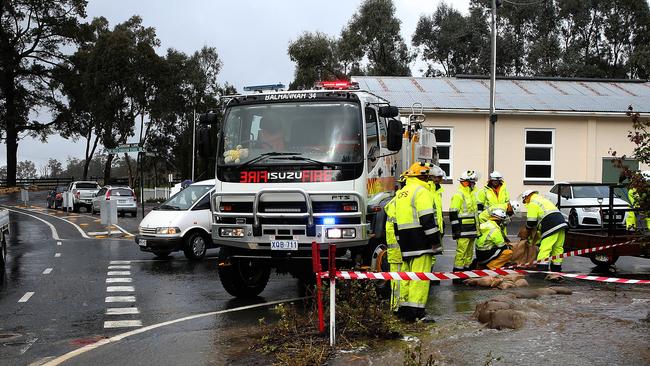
<point x="124" y="195"/>
<point x="183" y="222"/>
<point x="55" y="197"/>
<point x="586" y="194"/>
<point x="83" y="193"/>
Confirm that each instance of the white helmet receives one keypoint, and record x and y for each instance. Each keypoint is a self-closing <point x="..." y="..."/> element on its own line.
<point x="468" y="175"/>
<point x="527" y="193"/>
<point x="437" y="171"/>
<point x="646" y="174"/>
<point x="495" y="176"/>
<point x="516" y="206"/>
<point x="498" y="213"/>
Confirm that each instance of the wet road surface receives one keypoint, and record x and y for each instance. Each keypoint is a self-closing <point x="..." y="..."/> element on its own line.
<point x="71" y="280"/>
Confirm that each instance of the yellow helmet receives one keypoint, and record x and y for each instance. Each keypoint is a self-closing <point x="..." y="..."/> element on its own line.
<point x="402" y="177"/>
<point x="418" y="169"/>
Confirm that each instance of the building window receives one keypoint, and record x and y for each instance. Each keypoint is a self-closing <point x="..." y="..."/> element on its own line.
<point x="538" y="163"/>
<point x="443" y="144"/>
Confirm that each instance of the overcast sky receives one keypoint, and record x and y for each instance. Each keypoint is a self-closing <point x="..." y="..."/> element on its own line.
<point x="251" y="38"/>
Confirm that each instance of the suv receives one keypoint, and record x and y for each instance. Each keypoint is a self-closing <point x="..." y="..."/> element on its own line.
<point x="124" y="195"/>
<point x="180" y="223"/>
<point x="83" y="193"/>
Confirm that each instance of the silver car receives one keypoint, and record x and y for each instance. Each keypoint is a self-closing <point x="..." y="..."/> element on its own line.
<point x="125" y="197"/>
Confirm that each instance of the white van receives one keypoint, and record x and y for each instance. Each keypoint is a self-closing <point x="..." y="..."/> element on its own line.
<point x="182" y="222"/>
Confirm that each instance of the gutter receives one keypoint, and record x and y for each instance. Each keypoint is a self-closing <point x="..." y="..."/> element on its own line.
<point x="517" y="112"/>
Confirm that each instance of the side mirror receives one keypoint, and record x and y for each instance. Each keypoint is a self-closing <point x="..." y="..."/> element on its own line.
<point x="394" y="136"/>
<point x="209" y="118"/>
<point x="203" y="143"/>
<point x="388" y="111"/>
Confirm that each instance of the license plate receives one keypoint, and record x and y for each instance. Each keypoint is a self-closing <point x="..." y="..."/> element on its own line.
<point x="284" y="244"/>
<point x="142" y="243"/>
<point x="121" y="201"/>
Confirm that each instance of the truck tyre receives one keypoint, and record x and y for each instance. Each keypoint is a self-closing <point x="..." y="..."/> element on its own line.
<point x="196" y="244"/>
<point x="603" y="261"/>
<point x="244" y="278"/>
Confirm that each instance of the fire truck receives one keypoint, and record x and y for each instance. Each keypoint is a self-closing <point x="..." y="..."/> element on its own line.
<point x="298" y="167"/>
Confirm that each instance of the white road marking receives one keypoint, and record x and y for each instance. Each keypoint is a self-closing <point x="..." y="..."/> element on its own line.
<point x="27" y="345"/>
<point x="57" y="255"/>
<point x="122" y="230"/>
<point x="81" y="231"/>
<point x="58" y="243"/>
<point x="120" y="289"/>
<point x="63" y="358"/>
<point x="120" y="299"/>
<point x="95" y="233"/>
<point x="120" y="267"/>
<point x="179" y="259"/>
<point x="26" y="297"/>
<point x="119" y="273"/>
<point x="120" y="262"/>
<point x="122" y="311"/>
<point x="118" y="280"/>
<point x="47" y="271"/>
<point x="122" y="323"/>
<point x="55" y="234"/>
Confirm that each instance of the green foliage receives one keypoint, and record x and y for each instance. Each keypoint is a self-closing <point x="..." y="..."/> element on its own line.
<point x="26" y="170"/>
<point x="413" y="356"/>
<point x="640" y="137"/>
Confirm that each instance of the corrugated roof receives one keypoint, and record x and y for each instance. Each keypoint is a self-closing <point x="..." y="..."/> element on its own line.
<point x="517" y="95"/>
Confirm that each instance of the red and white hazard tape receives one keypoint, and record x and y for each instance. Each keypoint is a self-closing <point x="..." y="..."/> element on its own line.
<point x="442" y="276"/>
<point x="572" y="254"/>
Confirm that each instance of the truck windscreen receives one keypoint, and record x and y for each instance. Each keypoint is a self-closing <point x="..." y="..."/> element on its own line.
<point x="297" y="133"/>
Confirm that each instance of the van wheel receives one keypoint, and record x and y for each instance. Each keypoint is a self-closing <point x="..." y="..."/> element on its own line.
<point x="196" y="244"/>
<point x="241" y="277"/>
<point x="3" y="252"/>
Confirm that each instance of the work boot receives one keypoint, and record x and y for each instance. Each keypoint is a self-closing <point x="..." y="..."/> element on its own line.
<point x="406" y="314"/>
<point x="422" y="316"/>
<point x="556" y="267"/>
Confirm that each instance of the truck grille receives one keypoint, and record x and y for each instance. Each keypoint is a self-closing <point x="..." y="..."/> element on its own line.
<point x="290" y="207"/>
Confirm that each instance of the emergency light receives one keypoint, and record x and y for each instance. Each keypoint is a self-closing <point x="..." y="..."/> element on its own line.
<point x="337" y="85"/>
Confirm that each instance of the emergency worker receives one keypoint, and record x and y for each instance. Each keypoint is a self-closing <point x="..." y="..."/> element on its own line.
<point x="435" y="186"/>
<point x="393" y="252"/>
<point x="544" y="216"/>
<point x="463" y="217"/>
<point x="491" y="248"/>
<point x="271" y="134"/>
<point x="494" y="194"/>
<point x="633" y="196"/>
<point x="418" y="237"/>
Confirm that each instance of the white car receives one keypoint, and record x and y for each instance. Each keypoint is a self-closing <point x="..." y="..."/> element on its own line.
<point x="123" y="195"/>
<point x="595" y="196"/>
<point x="183" y="222"/>
<point x="83" y="193"/>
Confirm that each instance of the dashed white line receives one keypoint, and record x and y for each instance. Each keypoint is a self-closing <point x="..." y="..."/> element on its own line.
<point x="119" y="273"/>
<point x="120" y="262"/>
<point x="26" y="297"/>
<point x="120" y="299"/>
<point x="47" y="271"/>
<point x="122" y="323"/>
<point x="95" y="233"/>
<point x="120" y="267"/>
<point x="119" y="280"/>
<point x="57" y="255"/>
<point x="120" y="289"/>
<point x="58" y="243"/>
<point x="122" y="311"/>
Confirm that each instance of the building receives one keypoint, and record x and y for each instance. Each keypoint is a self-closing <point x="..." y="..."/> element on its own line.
<point x="548" y="130"/>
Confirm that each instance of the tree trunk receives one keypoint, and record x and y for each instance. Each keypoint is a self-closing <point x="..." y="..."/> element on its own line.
<point x="128" y="165"/>
<point x="12" y="121"/>
<point x="107" y="169"/>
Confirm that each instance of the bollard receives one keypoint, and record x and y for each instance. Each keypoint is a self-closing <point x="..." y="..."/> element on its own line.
<point x="332" y="274"/>
<point x="317" y="267"/>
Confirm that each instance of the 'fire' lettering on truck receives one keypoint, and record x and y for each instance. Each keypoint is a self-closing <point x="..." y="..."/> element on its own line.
<point x="263" y="176"/>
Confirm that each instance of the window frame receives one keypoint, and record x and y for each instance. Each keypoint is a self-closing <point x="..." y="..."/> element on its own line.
<point x="550" y="162"/>
<point x="449" y="144"/>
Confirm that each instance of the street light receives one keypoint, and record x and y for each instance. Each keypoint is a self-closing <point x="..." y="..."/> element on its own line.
<point x="493" y="73"/>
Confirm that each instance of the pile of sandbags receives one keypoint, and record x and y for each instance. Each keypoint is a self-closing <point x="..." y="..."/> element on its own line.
<point x="501" y="282"/>
<point x="523" y="252"/>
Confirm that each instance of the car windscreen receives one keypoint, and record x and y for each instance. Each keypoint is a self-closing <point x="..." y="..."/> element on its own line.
<point x="590" y="192"/>
<point x="87" y="186"/>
<point x="122" y="192"/>
<point x="184" y="199"/>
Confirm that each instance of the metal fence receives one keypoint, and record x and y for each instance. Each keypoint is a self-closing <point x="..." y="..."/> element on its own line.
<point x="155" y="193"/>
<point x="41" y="183"/>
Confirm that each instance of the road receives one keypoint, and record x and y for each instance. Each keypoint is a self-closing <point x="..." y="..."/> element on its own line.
<point x="68" y="285"/>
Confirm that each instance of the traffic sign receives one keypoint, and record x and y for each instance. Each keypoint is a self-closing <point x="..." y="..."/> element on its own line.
<point x="126" y="149"/>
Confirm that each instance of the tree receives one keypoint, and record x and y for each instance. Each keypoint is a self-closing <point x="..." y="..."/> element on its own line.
<point x="25" y="170"/>
<point x="316" y="58"/>
<point x="33" y="34"/>
<point x="374" y="33"/>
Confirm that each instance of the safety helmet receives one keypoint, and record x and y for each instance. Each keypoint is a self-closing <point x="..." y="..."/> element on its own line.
<point x="402" y="177"/>
<point x="437" y="171"/>
<point x="495" y="176"/>
<point x="646" y="174"/>
<point x="516" y="206"/>
<point x="527" y="193"/>
<point x="418" y="169"/>
<point x="498" y="213"/>
<point x="468" y="176"/>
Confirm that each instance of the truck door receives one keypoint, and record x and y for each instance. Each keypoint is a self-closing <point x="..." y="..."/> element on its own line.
<point x="372" y="138"/>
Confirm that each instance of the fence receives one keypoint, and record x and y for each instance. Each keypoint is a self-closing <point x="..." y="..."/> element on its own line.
<point x="155" y="193"/>
<point x="41" y="183"/>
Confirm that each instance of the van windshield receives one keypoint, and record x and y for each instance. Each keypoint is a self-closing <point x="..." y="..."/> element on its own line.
<point x="184" y="199"/>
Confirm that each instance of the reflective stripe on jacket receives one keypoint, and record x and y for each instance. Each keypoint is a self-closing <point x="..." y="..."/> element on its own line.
<point x="417" y="227"/>
<point x="544" y="214"/>
<point x="394" y="255"/>
<point x="436" y="191"/>
<point x="490" y="243"/>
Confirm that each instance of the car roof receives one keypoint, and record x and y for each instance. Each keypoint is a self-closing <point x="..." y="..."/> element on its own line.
<point x="208" y="182"/>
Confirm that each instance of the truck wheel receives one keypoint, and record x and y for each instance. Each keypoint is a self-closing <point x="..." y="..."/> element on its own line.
<point x="162" y="254"/>
<point x="602" y="260"/>
<point x="195" y="246"/>
<point x="244" y="278"/>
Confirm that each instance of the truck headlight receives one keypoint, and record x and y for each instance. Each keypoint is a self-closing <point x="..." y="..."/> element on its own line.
<point x="168" y="230"/>
<point x="236" y="232"/>
<point x="335" y="233"/>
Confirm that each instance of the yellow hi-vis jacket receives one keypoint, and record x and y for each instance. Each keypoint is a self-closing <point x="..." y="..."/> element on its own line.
<point x="437" y="190"/>
<point x="417" y="229"/>
<point x="489" y="197"/>
<point x="490" y="243"/>
<point x="394" y="255"/>
<point x="464" y="209"/>
<point x="544" y="215"/>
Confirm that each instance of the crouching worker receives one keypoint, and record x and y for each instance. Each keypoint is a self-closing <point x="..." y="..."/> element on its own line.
<point x="543" y="216"/>
<point x="491" y="248"/>
<point x="418" y="237"/>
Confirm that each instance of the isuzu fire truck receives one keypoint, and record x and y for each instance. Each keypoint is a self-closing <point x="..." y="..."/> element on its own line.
<point x="297" y="167"/>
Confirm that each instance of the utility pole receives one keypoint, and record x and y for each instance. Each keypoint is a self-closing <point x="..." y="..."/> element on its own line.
<point x="193" y="141"/>
<point x="493" y="73"/>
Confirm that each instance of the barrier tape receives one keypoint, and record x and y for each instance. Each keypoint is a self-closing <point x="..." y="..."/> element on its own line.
<point x="572" y="254"/>
<point x="442" y="276"/>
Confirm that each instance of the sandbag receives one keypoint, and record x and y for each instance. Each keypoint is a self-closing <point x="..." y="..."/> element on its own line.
<point x="546" y="291"/>
<point x="511" y="319"/>
<point x="526" y="294"/>
<point x="507" y="298"/>
<point x="514" y="277"/>
<point x="561" y="290"/>
<point x="521" y="283"/>
<point x="506" y="284"/>
<point x="554" y="277"/>
<point x="484" y="309"/>
<point x="523" y="253"/>
<point x="489" y="281"/>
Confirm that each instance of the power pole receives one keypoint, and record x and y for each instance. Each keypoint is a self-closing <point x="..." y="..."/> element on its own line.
<point x="193" y="141"/>
<point x="493" y="74"/>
